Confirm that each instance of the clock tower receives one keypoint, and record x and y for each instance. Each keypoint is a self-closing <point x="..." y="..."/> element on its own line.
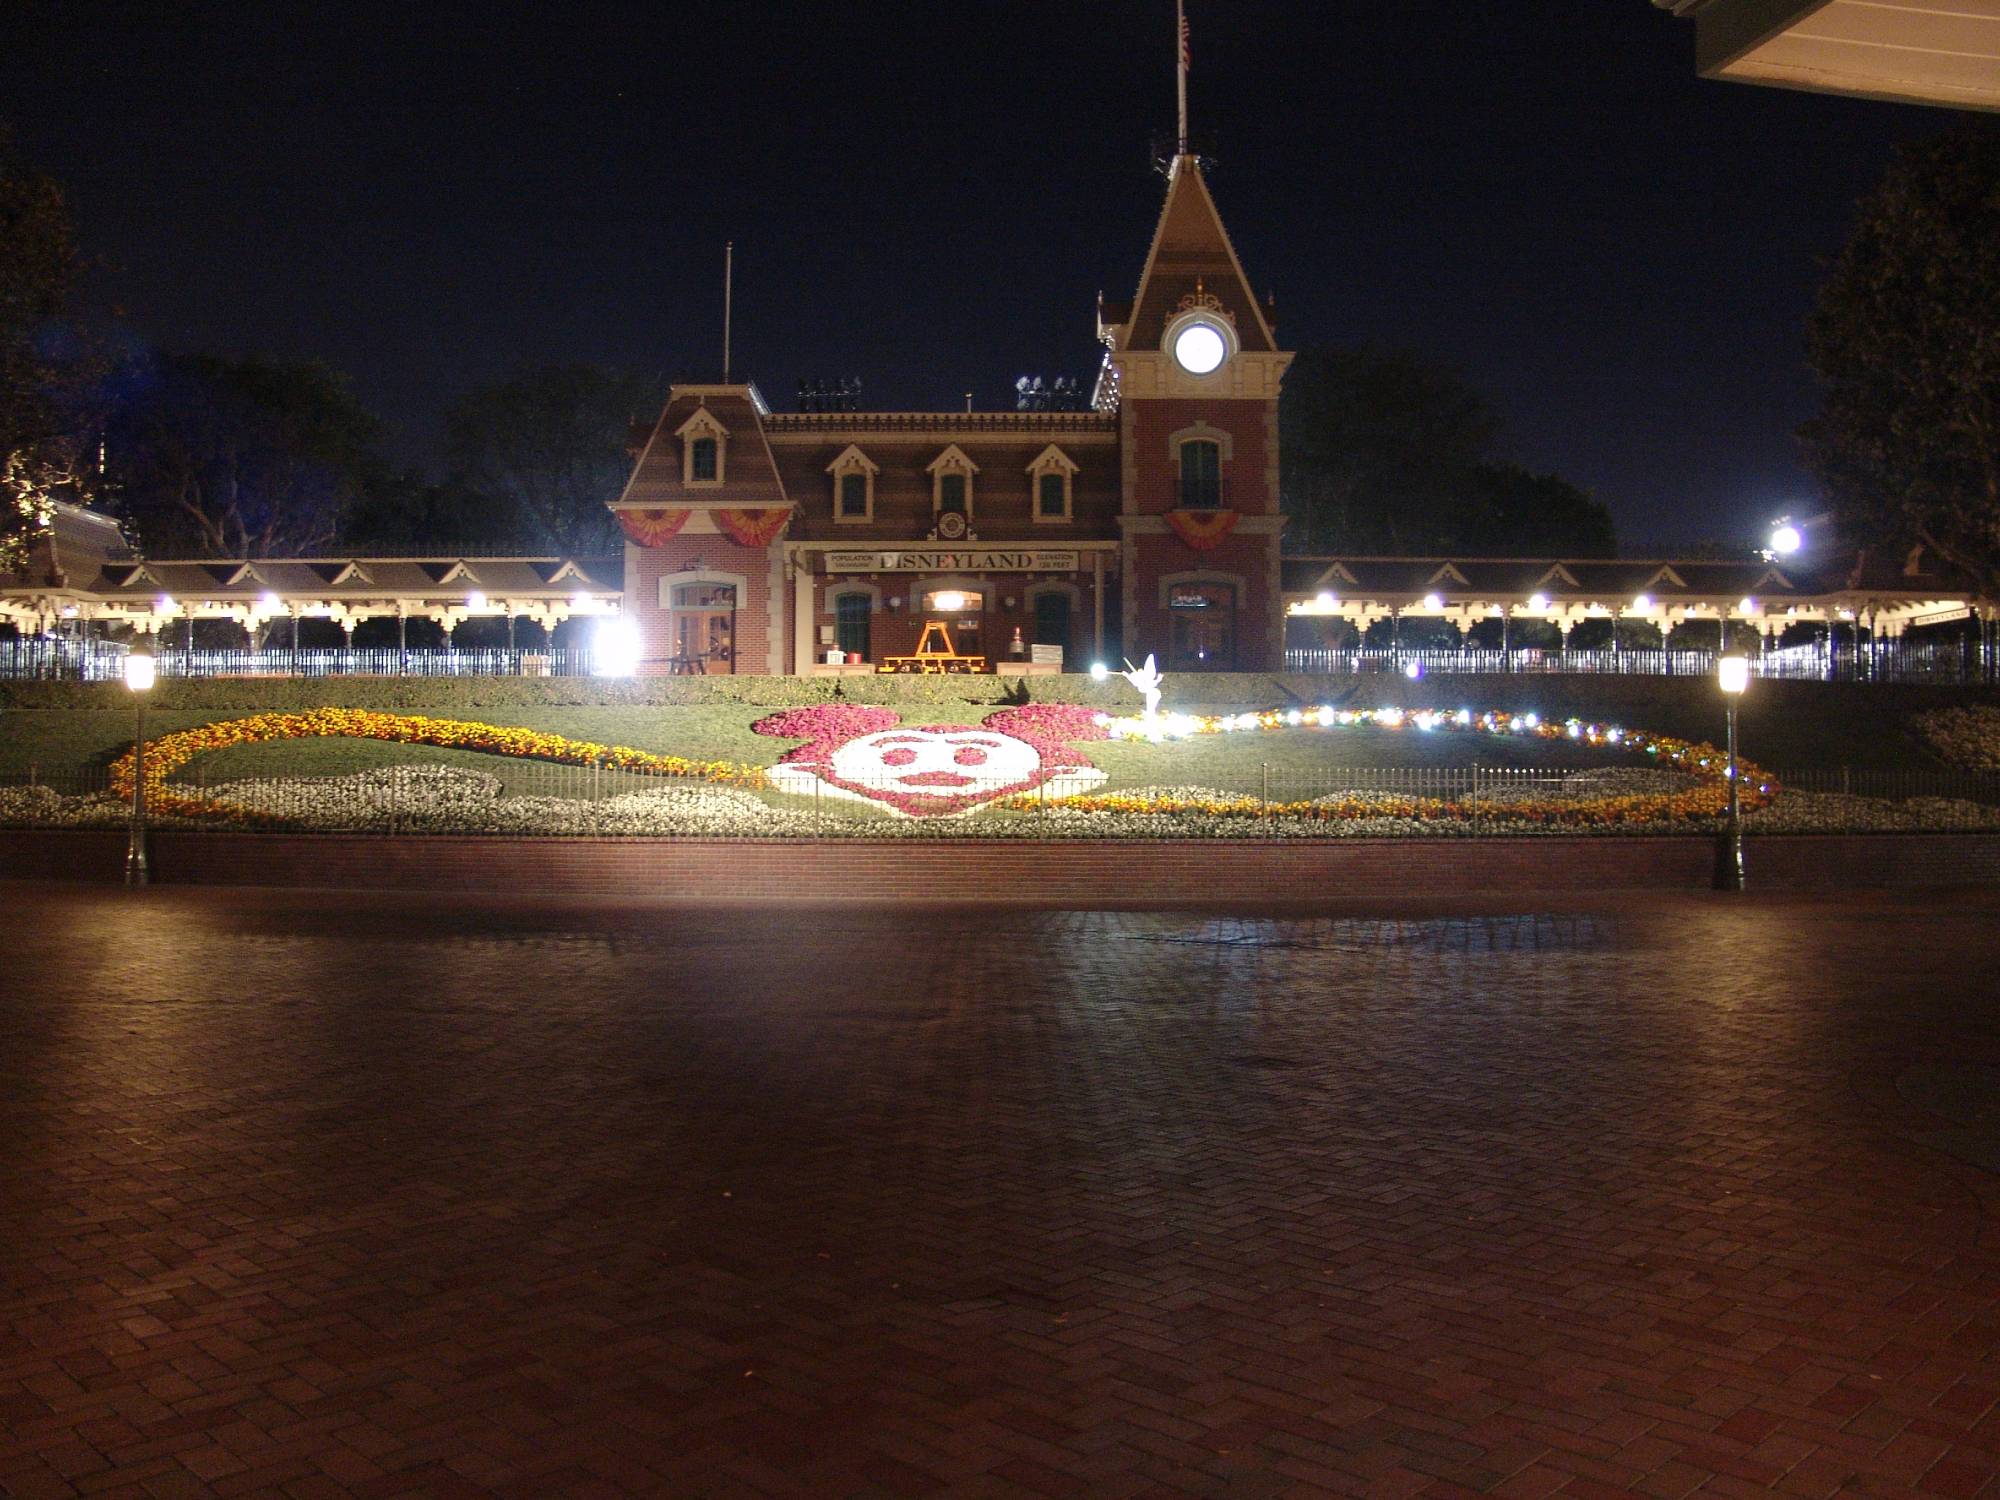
<point x="1193" y="368"/>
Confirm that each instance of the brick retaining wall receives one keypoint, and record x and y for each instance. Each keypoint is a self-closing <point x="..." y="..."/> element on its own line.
<point x="991" y="871"/>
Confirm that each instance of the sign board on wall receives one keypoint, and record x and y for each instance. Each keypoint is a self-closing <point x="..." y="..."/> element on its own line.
<point x="955" y="560"/>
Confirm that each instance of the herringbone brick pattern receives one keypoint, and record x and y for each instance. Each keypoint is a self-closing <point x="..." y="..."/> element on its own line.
<point x="354" y="1195"/>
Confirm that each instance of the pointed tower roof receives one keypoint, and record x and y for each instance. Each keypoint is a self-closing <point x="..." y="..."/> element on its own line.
<point x="1191" y="256"/>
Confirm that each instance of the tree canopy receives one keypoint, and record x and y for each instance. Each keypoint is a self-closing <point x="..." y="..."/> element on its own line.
<point x="39" y="365"/>
<point x="1388" y="452"/>
<point x="234" y="458"/>
<point x="1906" y="341"/>
<point x="548" y="446"/>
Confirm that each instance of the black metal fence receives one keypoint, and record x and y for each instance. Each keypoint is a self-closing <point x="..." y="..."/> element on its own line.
<point x="539" y="798"/>
<point x="1951" y="663"/>
<point x="99" y="661"/>
<point x="1948" y="663"/>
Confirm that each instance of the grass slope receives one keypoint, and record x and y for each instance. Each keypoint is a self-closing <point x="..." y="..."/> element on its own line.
<point x="58" y="744"/>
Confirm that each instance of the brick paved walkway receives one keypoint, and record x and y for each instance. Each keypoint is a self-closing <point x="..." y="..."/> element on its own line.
<point x="469" y="1198"/>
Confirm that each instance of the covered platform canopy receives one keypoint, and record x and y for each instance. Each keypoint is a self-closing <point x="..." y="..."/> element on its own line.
<point x="1564" y="592"/>
<point x="1916" y="51"/>
<point x="83" y="568"/>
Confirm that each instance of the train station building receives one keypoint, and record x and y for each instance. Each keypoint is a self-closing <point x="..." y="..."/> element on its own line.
<point x="806" y="542"/>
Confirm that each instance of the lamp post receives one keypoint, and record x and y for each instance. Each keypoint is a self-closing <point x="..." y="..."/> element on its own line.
<point x="139" y="668"/>
<point x="1732" y="675"/>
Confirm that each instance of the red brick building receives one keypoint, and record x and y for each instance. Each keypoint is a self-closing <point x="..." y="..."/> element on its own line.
<point x="763" y="542"/>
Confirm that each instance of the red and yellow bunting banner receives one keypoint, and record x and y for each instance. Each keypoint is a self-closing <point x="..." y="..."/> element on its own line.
<point x="1203" y="530"/>
<point x="653" y="528"/>
<point x="753" y="528"/>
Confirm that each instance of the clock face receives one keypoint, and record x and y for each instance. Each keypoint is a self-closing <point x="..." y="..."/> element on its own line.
<point x="1199" y="348"/>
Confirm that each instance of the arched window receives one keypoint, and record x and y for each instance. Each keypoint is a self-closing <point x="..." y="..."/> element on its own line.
<point x="1201" y="474"/>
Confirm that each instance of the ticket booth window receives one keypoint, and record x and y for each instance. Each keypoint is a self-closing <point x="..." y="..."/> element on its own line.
<point x="1202" y="621"/>
<point x="851" y="618"/>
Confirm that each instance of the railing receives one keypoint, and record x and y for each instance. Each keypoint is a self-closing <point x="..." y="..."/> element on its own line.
<point x="538" y="798"/>
<point x="1941" y="662"/>
<point x="103" y="662"/>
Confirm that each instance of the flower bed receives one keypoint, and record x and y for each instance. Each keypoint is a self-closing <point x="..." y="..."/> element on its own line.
<point x="427" y="799"/>
<point x="170" y="752"/>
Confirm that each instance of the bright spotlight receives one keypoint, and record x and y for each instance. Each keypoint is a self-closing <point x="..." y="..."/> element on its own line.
<point x="1643" y="603"/>
<point x="1413" y="670"/>
<point x="951" y="601"/>
<point x="1433" y="601"/>
<point x="1787" y="539"/>
<point x="140" y="670"/>
<point x="1325" y="599"/>
<point x="1538" y="601"/>
<point x="614" y="648"/>
<point x="475" y="600"/>
<point x="1098" y="671"/>
<point x="269" y="601"/>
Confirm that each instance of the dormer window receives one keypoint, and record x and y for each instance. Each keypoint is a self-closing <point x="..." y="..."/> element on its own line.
<point x="704" y="441"/>
<point x="1052" y="483"/>
<point x="951" y="483"/>
<point x="853" y="486"/>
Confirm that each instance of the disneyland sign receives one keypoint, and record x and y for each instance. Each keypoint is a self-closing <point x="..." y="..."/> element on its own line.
<point x="955" y="560"/>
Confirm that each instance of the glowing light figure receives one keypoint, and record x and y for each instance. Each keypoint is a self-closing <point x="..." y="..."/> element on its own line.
<point x="1146" y="679"/>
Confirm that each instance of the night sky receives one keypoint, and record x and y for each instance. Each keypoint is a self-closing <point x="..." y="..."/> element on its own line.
<point x="930" y="197"/>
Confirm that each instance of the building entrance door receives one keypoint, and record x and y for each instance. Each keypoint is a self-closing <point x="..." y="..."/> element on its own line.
<point x="1203" y="627"/>
<point x="704" y="628"/>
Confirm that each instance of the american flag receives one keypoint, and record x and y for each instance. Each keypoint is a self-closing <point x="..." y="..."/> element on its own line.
<point x="1184" y="42"/>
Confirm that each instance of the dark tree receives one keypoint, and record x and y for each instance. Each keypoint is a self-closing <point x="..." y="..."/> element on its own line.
<point x="408" y="514"/>
<point x="1380" y="452"/>
<point x="1521" y="514"/>
<point x="41" y="372"/>
<point x="1906" y="340"/>
<point x="237" y="458"/>
<point x="549" y="446"/>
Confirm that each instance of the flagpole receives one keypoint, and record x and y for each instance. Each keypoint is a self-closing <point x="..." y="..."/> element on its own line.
<point x="1181" y="67"/>
<point x="728" y="293"/>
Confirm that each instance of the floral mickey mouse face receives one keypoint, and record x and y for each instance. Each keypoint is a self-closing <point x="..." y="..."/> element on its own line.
<point x="951" y="760"/>
<point x="936" y="770"/>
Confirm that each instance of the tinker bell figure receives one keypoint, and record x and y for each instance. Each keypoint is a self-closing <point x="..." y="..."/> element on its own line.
<point x="1147" y="680"/>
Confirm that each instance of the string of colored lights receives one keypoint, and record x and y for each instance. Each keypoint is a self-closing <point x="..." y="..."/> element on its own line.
<point x="1695" y="757"/>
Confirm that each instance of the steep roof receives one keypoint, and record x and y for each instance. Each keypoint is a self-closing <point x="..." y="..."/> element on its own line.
<point x="749" y="474"/>
<point x="1191" y="253"/>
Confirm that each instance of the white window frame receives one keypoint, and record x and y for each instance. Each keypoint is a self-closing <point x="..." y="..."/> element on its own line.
<point x="952" y="461"/>
<point x="853" y="461"/>
<point x="703" y="424"/>
<point x="1052" y="460"/>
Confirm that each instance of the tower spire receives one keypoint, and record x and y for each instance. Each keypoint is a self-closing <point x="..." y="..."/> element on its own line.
<point x="1181" y="72"/>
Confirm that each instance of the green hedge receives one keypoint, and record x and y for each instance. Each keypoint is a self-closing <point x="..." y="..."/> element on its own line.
<point x="450" y="695"/>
